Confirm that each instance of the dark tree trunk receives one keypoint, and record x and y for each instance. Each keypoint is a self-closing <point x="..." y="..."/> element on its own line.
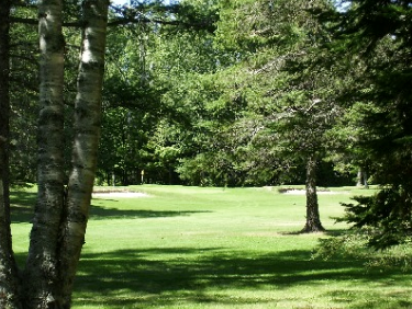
<point x="313" y="223"/>
<point x="9" y="281"/>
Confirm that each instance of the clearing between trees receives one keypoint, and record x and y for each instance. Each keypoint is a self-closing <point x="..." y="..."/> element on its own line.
<point x="191" y="247"/>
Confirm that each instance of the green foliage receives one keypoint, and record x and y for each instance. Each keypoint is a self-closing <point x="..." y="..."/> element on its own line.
<point x="387" y="216"/>
<point x="156" y="77"/>
<point x="379" y="98"/>
<point x="353" y="245"/>
<point x="23" y="97"/>
<point x="246" y="90"/>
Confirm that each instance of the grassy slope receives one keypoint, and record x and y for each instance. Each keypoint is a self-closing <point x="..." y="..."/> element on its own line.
<point x="187" y="247"/>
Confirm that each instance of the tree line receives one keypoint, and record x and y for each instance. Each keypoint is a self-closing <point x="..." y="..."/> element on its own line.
<point x="206" y="92"/>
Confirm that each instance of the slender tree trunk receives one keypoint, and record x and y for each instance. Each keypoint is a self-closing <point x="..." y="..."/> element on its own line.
<point x="86" y="140"/>
<point x="365" y="180"/>
<point x="313" y="223"/>
<point x="9" y="280"/>
<point x="362" y="178"/>
<point x="41" y="275"/>
<point x="359" y="178"/>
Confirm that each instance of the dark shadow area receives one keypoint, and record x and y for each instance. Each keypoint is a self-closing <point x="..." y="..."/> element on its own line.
<point x="336" y="233"/>
<point x="22" y="206"/>
<point x="330" y="232"/>
<point x="21" y="259"/>
<point x="365" y="299"/>
<point x="137" y="271"/>
<point x="97" y="212"/>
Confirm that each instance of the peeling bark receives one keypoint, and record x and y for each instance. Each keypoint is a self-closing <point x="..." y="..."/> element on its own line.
<point x="313" y="223"/>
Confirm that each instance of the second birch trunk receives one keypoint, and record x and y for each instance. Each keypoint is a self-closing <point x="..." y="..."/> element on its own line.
<point x="86" y="140"/>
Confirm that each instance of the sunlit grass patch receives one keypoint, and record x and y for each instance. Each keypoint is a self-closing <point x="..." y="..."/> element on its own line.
<point x="191" y="247"/>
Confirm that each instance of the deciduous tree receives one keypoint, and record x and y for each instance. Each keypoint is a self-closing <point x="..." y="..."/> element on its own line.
<point x="61" y="212"/>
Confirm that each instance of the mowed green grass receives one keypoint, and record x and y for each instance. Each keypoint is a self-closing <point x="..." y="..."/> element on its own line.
<point x="190" y="247"/>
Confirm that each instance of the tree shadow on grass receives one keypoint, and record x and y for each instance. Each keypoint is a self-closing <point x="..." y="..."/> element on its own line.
<point x="22" y="205"/>
<point x="98" y="213"/>
<point x="368" y="299"/>
<point x="337" y="232"/>
<point x="188" y="274"/>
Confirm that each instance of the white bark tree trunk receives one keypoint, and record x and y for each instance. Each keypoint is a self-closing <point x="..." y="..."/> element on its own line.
<point x="40" y="276"/>
<point x="86" y="140"/>
<point x="60" y="218"/>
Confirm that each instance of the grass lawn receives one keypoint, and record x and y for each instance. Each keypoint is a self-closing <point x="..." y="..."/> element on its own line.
<point x="190" y="247"/>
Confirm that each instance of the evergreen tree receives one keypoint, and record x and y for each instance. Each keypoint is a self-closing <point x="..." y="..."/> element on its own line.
<point x="289" y="97"/>
<point x="379" y="33"/>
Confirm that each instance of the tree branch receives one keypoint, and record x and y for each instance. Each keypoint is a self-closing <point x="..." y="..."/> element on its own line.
<point x="137" y="20"/>
<point x="27" y="21"/>
<point x="119" y="22"/>
<point x="35" y="22"/>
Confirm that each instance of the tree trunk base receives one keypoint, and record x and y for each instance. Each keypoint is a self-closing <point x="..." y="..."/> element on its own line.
<point x="313" y="228"/>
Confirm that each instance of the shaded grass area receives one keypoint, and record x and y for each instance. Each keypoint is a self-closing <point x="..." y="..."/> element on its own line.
<point x="279" y="280"/>
<point x="187" y="247"/>
<point x="22" y="206"/>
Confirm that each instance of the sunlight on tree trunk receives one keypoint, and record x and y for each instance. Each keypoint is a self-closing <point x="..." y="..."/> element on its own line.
<point x="61" y="214"/>
<point x="362" y="179"/>
<point x="86" y="141"/>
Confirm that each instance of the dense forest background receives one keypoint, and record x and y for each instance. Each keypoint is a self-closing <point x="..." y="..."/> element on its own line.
<point x="217" y="93"/>
<point x="239" y="93"/>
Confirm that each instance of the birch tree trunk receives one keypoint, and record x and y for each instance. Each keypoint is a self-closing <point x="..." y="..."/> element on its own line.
<point x="41" y="274"/>
<point x="9" y="281"/>
<point x="86" y="139"/>
<point x="60" y="216"/>
<point x="313" y="223"/>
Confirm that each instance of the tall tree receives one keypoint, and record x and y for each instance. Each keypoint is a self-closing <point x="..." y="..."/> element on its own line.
<point x="61" y="211"/>
<point x="290" y="98"/>
<point x="9" y="285"/>
<point x="87" y="126"/>
<point x="42" y="260"/>
<point x="379" y="32"/>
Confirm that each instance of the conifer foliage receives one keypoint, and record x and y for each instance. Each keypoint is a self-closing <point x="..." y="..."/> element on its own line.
<point x="378" y="34"/>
